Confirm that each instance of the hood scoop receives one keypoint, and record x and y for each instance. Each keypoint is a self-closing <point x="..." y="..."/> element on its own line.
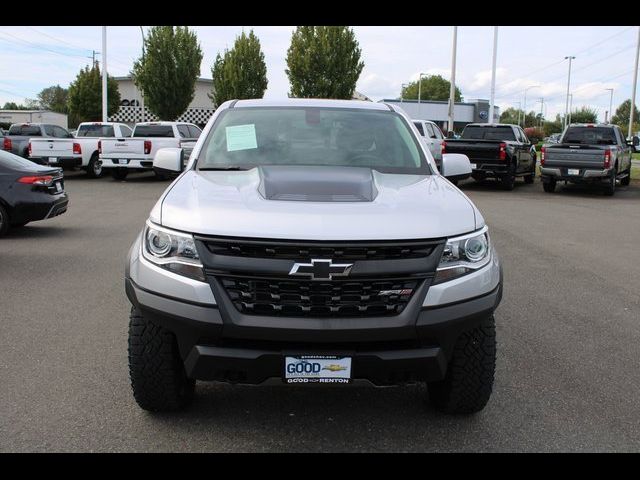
<point x="317" y="184"/>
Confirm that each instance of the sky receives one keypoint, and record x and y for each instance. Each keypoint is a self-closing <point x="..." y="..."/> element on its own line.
<point x="33" y="58"/>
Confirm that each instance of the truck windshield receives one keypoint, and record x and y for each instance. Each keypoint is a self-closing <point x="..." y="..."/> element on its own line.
<point x="590" y="136"/>
<point x="95" y="131"/>
<point x="153" y="131"/>
<point x="243" y="138"/>
<point x="488" y="133"/>
<point x="25" y="131"/>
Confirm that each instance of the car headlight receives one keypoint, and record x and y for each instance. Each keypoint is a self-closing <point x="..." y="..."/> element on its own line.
<point x="463" y="255"/>
<point x="171" y="250"/>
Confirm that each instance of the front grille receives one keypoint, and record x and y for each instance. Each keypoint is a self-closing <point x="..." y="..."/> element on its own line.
<point x="283" y="297"/>
<point x="297" y="251"/>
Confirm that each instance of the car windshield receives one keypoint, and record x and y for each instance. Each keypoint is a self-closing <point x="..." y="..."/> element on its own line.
<point x="24" y="130"/>
<point x="243" y="138"/>
<point x="153" y="131"/>
<point x="95" y="131"/>
<point x="488" y="133"/>
<point x="590" y="136"/>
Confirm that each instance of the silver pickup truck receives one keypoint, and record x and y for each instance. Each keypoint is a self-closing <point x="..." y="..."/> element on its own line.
<point x="588" y="153"/>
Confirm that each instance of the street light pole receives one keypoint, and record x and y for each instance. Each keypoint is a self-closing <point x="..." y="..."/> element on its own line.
<point x="608" y="119"/>
<point x="493" y="75"/>
<point x="104" y="74"/>
<point x="635" y="84"/>
<point x="402" y="91"/>
<point x="452" y="90"/>
<point x="141" y="92"/>
<point x="566" y="111"/>
<point x="570" y="107"/>
<point x="420" y="86"/>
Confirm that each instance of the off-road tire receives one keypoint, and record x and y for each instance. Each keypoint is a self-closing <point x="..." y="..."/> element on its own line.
<point x="626" y="180"/>
<point x="610" y="188"/>
<point x="91" y="168"/>
<point x="119" y="173"/>
<point x="468" y="383"/>
<point x="158" y="378"/>
<point x="549" y="186"/>
<point x="508" y="182"/>
<point x="4" y="221"/>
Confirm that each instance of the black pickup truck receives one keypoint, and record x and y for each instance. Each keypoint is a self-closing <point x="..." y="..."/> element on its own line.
<point x="588" y="153"/>
<point x="500" y="151"/>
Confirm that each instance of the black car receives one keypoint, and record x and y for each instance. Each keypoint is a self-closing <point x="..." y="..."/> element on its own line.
<point x="28" y="192"/>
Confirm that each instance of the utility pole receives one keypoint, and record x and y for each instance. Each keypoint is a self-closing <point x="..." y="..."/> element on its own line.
<point x="610" y="113"/>
<point x="402" y="91"/>
<point x="519" y="109"/>
<point x="524" y="108"/>
<point x="570" y="107"/>
<point x="452" y="90"/>
<point x="566" y="111"/>
<point x="633" y="92"/>
<point x="141" y="92"/>
<point x="493" y="75"/>
<point x="104" y="74"/>
<point x="541" y="107"/>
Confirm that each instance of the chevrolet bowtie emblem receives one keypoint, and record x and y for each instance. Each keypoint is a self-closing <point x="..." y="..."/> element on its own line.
<point x="320" y="269"/>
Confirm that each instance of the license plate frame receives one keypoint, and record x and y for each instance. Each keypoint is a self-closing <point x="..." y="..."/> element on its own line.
<point x="474" y="166"/>
<point x="58" y="187"/>
<point x="53" y="160"/>
<point x="573" y="171"/>
<point x="321" y="369"/>
<point x="122" y="161"/>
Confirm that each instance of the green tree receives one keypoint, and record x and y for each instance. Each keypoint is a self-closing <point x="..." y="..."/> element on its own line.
<point x="54" y="98"/>
<point x="511" y="115"/>
<point x="584" y="115"/>
<point x="13" y="106"/>
<point x="621" y="117"/>
<point x="84" y="98"/>
<point x="323" y="62"/>
<point x="434" y="87"/>
<point x="241" y="72"/>
<point x="167" y="71"/>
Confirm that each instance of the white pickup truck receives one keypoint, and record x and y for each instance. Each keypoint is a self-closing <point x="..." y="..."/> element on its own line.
<point x="122" y="155"/>
<point x="80" y="151"/>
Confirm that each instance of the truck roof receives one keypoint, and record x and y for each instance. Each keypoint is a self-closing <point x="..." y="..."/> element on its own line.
<point x="490" y="125"/>
<point x="163" y="123"/>
<point x="592" y="125"/>
<point x="312" y="102"/>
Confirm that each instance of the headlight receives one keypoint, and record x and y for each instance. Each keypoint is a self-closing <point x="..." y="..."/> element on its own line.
<point x="464" y="255"/>
<point x="173" y="251"/>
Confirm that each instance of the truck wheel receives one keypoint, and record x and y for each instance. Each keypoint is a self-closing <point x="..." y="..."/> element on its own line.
<point x="468" y="383"/>
<point x="508" y="181"/>
<point x="158" y="378"/>
<point x="94" y="169"/>
<point x="530" y="178"/>
<point x="626" y="180"/>
<point x="119" y="173"/>
<point x="550" y="186"/>
<point x="610" y="188"/>
<point x="4" y="221"/>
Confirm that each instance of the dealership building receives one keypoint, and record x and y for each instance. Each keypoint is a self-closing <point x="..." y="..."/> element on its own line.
<point x="9" y="117"/>
<point x="438" y="111"/>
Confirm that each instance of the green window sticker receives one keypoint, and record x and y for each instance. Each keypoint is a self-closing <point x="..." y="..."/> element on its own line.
<point x="241" y="137"/>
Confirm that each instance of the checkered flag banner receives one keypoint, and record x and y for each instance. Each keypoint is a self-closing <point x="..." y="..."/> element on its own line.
<point x="129" y="114"/>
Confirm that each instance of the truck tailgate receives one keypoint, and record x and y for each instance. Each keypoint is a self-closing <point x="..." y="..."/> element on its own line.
<point x="476" y="150"/>
<point x="574" y="156"/>
<point x="122" y="147"/>
<point x="49" y="147"/>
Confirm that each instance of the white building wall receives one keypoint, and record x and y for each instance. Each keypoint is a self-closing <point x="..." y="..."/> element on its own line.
<point x="34" y="116"/>
<point x="436" y="112"/>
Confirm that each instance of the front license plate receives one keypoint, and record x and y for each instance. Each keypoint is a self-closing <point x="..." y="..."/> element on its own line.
<point x="122" y="161"/>
<point x="53" y="159"/>
<point x="317" y="369"/>
<point x="58" y="187"/>
<point x="474" y="166"/>
<point x="574" y="171"/>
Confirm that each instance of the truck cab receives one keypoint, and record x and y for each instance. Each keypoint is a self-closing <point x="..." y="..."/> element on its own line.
<point x="432" y="136"/>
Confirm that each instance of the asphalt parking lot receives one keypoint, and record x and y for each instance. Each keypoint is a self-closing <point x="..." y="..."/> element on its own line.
<point x="568" y="330"/>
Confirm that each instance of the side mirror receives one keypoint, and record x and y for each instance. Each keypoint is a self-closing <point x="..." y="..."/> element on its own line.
<point x="455" y="166"/>
<point x="168" y="160"/>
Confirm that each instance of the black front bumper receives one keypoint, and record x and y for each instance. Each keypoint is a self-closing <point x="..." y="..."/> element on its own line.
<point x="385" y="351"/>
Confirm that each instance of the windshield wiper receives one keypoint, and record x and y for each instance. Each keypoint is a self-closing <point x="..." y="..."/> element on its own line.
<point x="232" y="168"/>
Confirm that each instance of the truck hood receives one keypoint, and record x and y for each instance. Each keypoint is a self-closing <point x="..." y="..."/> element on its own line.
<point x="235" y="203"/>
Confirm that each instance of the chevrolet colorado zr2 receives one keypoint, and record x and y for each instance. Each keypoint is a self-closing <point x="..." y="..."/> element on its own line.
<point x="314" y="242"/>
